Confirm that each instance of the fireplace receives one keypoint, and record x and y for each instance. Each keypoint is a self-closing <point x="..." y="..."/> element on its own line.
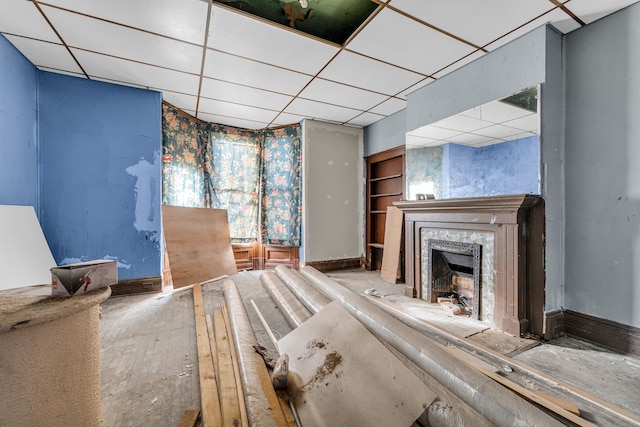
<point x="507" y="267"/>
<point x="453" y="271"/>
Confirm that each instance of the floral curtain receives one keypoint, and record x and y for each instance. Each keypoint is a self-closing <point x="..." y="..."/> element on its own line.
<point x="235" y="173"/>
<point x="282" y="186"/>
<point x="184" y="160"/>
<point x="211" y="165"/>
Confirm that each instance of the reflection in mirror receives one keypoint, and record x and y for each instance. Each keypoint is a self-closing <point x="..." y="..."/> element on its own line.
<point x="489" y="150"/>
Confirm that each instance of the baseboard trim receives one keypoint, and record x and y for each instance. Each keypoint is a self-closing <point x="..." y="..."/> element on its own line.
<point x="142" y="285"/>
<point x="335" y="264"/>
<point x="617" y="336"/>
<point x="553" y="324"/>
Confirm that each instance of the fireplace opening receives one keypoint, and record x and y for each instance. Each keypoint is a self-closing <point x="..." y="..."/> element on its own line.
<point x="453" y="271"/>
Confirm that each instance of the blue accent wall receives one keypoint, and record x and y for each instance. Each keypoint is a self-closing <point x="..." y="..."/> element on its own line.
<point x="101" y="169"/>
<point x="507" y="168"/>
<point x="18" y="137"/>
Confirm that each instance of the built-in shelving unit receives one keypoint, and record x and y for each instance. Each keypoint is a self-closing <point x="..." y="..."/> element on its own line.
<point x="385" y="185"/>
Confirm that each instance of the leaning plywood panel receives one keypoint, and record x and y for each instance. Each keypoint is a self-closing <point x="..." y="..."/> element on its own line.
<point x="392" y="241"/>
<point x="198" y="244"/>
<point x="25" y="257"/>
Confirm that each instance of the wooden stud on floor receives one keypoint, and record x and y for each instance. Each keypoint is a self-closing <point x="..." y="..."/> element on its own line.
<point x="227" y="387"/>
<point x="211" y="414"/>
<point x="189" y="418"/>
<point x="234" y="358"/>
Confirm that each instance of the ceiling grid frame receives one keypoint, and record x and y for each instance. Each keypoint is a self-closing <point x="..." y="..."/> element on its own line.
<point x="332" y="83"/>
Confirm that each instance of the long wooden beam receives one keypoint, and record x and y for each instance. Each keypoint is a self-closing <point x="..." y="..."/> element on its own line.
<point x="211" y="414"/>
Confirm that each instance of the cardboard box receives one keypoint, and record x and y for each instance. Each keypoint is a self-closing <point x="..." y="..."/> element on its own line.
<point x="73" y="279"/>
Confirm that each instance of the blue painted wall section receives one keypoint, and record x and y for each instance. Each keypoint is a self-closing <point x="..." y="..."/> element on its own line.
<point x="101" y="173"/>
<point x="507" y="168"/>
<point x="18" y="138"/>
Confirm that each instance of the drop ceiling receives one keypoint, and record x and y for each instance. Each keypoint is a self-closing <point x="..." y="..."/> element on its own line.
<point x="492" y="123"/>
<point x="226" y="66"/>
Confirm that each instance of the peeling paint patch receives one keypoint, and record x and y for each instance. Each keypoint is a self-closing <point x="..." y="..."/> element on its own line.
<point x="121" y="264"/>
<point x="146" y="193"/>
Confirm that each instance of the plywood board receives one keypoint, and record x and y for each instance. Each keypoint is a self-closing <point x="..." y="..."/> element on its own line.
<point x="198" y="244"/>
<point x="392" y="241"/>
<point x="25" y="257"/>
<point x="332" y="387"/>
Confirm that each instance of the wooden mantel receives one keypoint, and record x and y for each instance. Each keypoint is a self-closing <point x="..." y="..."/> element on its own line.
<point x="517" y="224"/>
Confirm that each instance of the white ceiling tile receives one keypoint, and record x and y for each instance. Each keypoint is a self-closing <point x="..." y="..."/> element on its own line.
<point x="592" y="10"/>
<point x="22" y="18"/>
<point x="499" y="112"/>
<point x="181" y="19"/>
<point x="228" y="109"/>
<point x="521" y="136"/>
<point x="287" y="119"/>
<point x="419" y="141"/>
<point x="231" y="68"/>
<point x="459" y="63"/>
<point x="180" y="100"/>
<point x="120" y="83"/>
<point x="498" y="131"/>
<point x="492" y="141"/>
<point x="469" y="139"/>
<point x="415" y="87"/>
<point x="360" y="71"/>
<point x="66" y="73"/>
<point x="434" y="132"/>
<point x="462" y="123"/>
<point x="472" y="20"/>
<point x="318" y="110"/>
<point x="364" y="119"/>
<point x="530" y="123"/>
<point x="40" y="53"/>
<point x="340" y="94"/>
<point x="138" y="74"/>
<point x="231" y="121"/>
<point x="241" y="35"/>
<point x="389" y="107"/>
<point x="396" y="39"/>
<point x="98" y="36"/>
<point x="556" y="15"/>
<point x="231" y="92"/>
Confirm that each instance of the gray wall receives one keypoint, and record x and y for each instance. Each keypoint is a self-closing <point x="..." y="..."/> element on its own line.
<point x="333" y="196"/>
<point x="535" y="58"/>
<point x="602" y="260"/>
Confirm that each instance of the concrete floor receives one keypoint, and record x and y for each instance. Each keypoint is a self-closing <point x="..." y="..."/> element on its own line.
<point x="149" y="359"/>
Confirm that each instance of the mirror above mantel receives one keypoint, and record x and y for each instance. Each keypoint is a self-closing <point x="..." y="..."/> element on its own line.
<point x="492" y="149"/>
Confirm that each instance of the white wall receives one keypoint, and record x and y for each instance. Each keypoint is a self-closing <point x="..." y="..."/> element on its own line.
<point x="333" y="196"/>
<point x="602" y="154"/>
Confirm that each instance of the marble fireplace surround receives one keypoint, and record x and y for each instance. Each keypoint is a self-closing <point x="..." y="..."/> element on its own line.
<point x="513" y="296"/>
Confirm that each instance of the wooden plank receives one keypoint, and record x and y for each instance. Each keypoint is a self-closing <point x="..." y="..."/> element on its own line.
<point x="226" y="381"/>
<point x="234" y="358"/>
<point x="212" y="344"/>
<point x="539" y="398"/>
<point x="198" y="244"/>
<point x="265" y="324"/>
<point x="189" y="418"/>
<point x="483" y="367"/>
<point x="211" y="415"/>
<point x="392" y="240"/>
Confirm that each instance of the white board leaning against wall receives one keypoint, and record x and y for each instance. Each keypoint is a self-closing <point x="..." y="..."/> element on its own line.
<point x="25" y="257"/>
